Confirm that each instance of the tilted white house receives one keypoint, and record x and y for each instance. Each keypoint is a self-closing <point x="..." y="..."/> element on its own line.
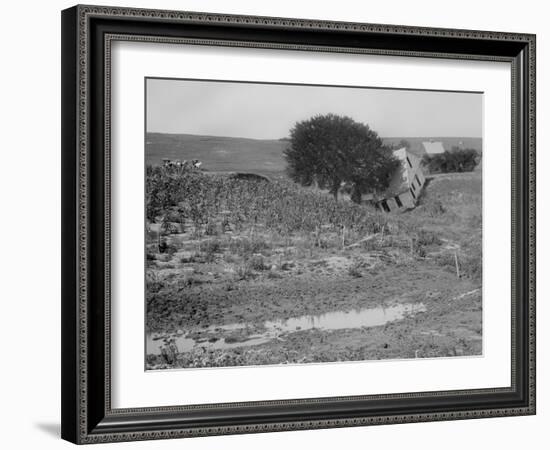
<point x="406" y="183"/>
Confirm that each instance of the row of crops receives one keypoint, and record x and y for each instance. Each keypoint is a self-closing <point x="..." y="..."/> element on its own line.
<point x="187" y="194"/>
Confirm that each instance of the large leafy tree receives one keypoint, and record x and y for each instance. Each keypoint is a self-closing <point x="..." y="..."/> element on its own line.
<point x="330" y="150"/>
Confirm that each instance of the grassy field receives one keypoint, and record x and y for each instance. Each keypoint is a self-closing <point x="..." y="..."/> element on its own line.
<point x="231" y="263"/>
<point x="218" y="153"/>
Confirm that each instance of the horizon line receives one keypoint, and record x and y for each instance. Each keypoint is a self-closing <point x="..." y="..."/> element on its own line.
<point x="286" y="137"/>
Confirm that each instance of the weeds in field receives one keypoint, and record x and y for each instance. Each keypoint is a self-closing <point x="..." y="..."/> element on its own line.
<point x="188" y="258"/>
<point x="355" y="270"/>
<point x="153" y="282"/>
<point x="211" y="229"/>
<point x="279" y="206"/>
<point x="210" y="248"/>
<point x="257" y="263"/>
<point x="167" y="249"/>
<point x="244" y="272"/>
<point x="433" y="207"/>
<point x="470" y="259"/>
<point x="245" y="246"/>
<point x="427" y="237"/>
<point x="273" y="275"/>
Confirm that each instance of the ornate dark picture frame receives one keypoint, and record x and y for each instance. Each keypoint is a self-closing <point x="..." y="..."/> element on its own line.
<point x="87" y="34"/>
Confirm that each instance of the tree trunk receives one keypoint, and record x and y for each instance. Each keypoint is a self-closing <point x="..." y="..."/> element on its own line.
<point x="335" y="188"/>
<point x="356" y="195"/>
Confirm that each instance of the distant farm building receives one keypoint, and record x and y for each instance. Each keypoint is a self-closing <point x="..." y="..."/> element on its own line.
<point x="433" y="147"/>
<point x="406" y="183"/>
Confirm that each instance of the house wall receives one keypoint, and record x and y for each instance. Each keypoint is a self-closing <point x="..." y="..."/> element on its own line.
<point x="403" y="180"/>
<point x="407" y="200"/>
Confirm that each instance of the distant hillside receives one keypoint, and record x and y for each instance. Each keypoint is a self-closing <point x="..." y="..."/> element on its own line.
<point x="218" y="154"/>
<point x="228" y="154"/>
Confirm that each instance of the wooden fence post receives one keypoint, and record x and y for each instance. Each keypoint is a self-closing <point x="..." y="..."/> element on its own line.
<point x="343" y="237"/>
<point x="457" y="268"/>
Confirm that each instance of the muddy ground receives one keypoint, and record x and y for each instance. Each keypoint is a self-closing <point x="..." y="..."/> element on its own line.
<point x="450" y="325"/>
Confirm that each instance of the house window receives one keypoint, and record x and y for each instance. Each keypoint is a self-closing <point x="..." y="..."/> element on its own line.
<point x="385" y="206"/>
<point x="417" y="180"/>
<point x="413" y="186"/>
<point x="412" y="193"/>
<point x="409" y="162"/>
<point x="398" y="201"/>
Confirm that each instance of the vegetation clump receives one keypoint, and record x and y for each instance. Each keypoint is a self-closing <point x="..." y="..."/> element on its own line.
<point x="456" y="160"/>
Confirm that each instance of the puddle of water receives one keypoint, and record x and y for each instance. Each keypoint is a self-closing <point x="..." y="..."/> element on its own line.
<point x="370" y="317"/>
<point x="337" y="320"/>
<point x="185" y="344"/>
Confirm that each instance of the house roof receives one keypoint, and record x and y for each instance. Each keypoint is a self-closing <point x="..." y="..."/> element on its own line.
<point x="433" y="147"/>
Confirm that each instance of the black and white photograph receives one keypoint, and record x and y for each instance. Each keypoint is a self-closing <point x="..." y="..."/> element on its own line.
<point x="275" y="225"/>
<point x="297" y="224"/>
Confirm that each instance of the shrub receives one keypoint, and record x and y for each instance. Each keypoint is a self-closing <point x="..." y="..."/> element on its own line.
<point x="225" y="225"/>
<point x="420" y="250"/>
<point x="354" y="270"/>
<point x="434" y="207"/>
<point x="256" y="262"/>
<point x="210" y="248"/>
<point x="244" y="272"/>
<point x="188" y="257"/>
<point x="190" y="280"/>
<point x="154" y="286"/>
<point x="426" y="237"/>
<point x="471" y="267"/>
<point x="211" y="229"/>
<point x="475" y="221"/>
<point x="470" y="260"/>
<point x="288" y="265"/>
<point x="274" y="275"/>
<point x="457" y="160"/>
<point x="447" y="261"/>
<point x="152" y="282"/>
<point x="168" y="227"/>
<point x="166" y="248"/>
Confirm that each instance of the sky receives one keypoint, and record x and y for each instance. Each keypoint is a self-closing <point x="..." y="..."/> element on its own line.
<point x="269" y="111"/>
